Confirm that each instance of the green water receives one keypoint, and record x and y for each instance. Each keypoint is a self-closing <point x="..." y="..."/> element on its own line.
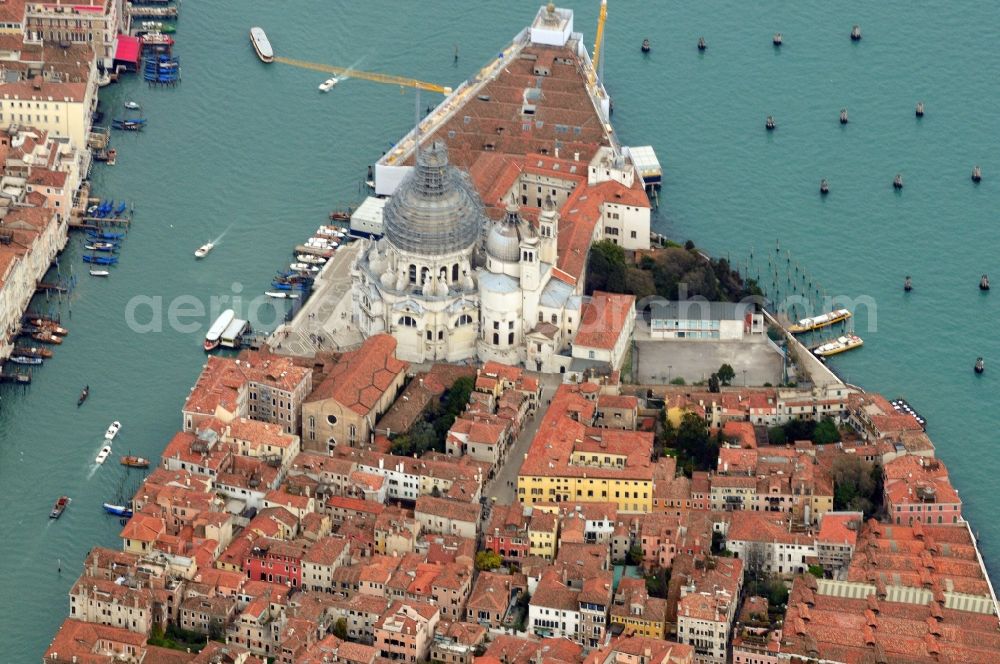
<point x="258" y="150"/>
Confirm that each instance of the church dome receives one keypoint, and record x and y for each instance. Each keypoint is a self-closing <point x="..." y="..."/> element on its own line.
<point x="435" y="210"/>
<point x="504" y="240"/>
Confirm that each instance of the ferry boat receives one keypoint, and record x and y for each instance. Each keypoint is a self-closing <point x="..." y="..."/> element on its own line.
<point x="134" y="461"/>
<point x="113" y="430"/>
<point x="261" y="45"/>
<point x="214" y="335"/>
<point x="328" y="84"/>
<point x="203" y="250"/>
<point x="839" y="345"/>
<point x="816" y="322"/>
<point x="60" y="507"/>
<point x="117" y="510"/>
<point x="103" y="455"/>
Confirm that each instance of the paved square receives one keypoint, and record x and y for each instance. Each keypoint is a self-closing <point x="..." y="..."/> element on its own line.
<point x="660" y="361"/>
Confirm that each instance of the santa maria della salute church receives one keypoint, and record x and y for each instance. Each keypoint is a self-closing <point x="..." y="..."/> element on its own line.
<point x="452" y="285"/>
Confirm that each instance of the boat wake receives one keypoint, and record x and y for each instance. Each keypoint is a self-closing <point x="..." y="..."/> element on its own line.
<point x="216" y="240"/>
<point x="351" y="67"/>
<point x="93" y="469"/>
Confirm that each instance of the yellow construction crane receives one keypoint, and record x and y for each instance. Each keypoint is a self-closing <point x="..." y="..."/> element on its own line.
<point x="368" y="76"/>
<point x="598" y="39"/>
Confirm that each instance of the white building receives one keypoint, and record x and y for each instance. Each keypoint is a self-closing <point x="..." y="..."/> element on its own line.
<point x="701" y="319"/>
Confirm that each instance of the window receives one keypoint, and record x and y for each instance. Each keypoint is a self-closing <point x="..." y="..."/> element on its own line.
<point x="413" y="274"/>
<point x="464" y="319"/>
<point x="510" y="339"/>
<point x="590" y="354"/>
<point x="496" y="339"/>
<point x="407" y="321"/>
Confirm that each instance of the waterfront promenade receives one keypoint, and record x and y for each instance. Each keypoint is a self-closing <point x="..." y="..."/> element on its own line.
<point x="324" y="321"/>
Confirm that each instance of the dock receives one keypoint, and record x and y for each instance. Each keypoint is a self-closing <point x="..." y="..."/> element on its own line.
<point x="155" y="42"/>
<point x="146" y="11"/>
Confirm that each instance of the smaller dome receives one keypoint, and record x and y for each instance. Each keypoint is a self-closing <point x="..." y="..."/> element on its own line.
<point x="504" y="240"/>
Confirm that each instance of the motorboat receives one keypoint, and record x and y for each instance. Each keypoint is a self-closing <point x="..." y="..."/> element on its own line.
<point x="32" y="351"/>
<point x="103" y="455"/>
<point x="133" y="106"/>
<point x="276" y="294"/>
<point x="309" y="258"/>
<point x="328" y="84"/>
<point x="117" y="510"/>
<point x="83" y="395"/>
<point x="100" y="246"/>
<point x="22" y="359"/>
<point x="304" y="267"/>
<point x="100" y="273"/>
<point x="134" y="461"/>
<point x="113" y="430"/>
<point x="203" y="250"/>
<point x="60" y="507"/>
<point x="46" y="337"/>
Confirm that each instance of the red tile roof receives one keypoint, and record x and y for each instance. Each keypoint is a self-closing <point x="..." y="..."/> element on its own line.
<point x="603" y="319"/>
<point x="361" y="377"/>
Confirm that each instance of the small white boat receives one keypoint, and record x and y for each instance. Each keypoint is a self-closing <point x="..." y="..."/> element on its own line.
<point x="103" y="455"/>
<point x="309" y="258"/>
<point x="328" y="84"/>
<point x="112" y="430"/>
<point x="100" y="273"/>
<point x="203" y="250"/>
<point x="303" y="267"/>
<point x="280" y="295"/>
<point x="133" y="106"/>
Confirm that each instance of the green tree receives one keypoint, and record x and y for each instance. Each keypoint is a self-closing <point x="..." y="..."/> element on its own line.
<point x="694" y="443"/>
<point x="488" y="560"/>
<point x="340" y="628"/>
<point x="816" y="570"/>
<point x="799" y="430"/>
<point x="606" y="268"/>
<point x="714" y="384"/>
<point x="658" y="582"/>
<point x="634" y="555"/>
<point x="726" y="374"/>
<point x="855" y="485"/>
<point x="826" y="432"/>
<point x="776" y="435"/>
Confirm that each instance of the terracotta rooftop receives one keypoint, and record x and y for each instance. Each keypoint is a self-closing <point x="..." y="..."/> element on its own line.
<point x="603" y="319"/>
<point x="361" y="377"/>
